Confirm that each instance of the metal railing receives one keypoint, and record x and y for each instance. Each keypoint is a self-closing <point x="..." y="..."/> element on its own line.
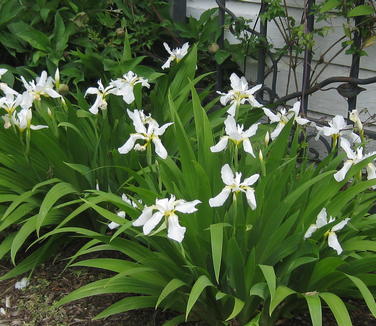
<point x="349" y="88"/>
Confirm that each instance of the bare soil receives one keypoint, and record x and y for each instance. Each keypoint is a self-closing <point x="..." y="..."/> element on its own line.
<point x="33" y="306"/>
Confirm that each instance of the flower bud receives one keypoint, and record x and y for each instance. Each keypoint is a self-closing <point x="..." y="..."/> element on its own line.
<point x="261" y="157"/>
<point x="213" y="48"/>
<point x="63" y="89"/>
<point x="120" y="31"/>
<point x="267" y="138"/>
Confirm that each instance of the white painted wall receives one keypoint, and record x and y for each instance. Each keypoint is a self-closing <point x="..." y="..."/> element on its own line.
<point x="327" y="102"/>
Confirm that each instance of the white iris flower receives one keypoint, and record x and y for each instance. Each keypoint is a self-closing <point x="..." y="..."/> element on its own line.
<point x="321" y="221"/>
<point x="124" y="86"/>
<point x="175" y="54"/>
<point x="42" y="86"/>
<point x="236" y="134"/>
<point x="148" y="134"/>
<point x="114" y="225"/>
<point x="283" y="117"/>
<point x="239" y="94"/>
<point x="166" y="208"/>
<point x="233" y="184"/>
<point x="338" y="128"/>
<point x="354" y="158"/>
<point x="22" y="120"/>
<point x="101" y="92"/>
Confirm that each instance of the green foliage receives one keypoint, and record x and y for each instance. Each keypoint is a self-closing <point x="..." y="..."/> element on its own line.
<point x="78" y="35"/>
<point x="236" y="264"/>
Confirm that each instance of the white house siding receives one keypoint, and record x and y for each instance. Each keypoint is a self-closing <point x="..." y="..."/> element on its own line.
<point x="327" y="102"/>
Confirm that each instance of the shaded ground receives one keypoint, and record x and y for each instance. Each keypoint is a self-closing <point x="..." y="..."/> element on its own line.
<point x="33" y="306"/>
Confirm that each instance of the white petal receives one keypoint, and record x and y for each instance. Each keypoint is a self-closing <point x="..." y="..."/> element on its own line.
<point x="341" y="174"/>
<point x="161" y="130"/>
<point x="137" y="122"/>
<point x="113" y="225"/>
<point x="371" y="171"/>
<point x="277" y="131"/>
<point x="220" y="198"/>
<point x="175" y="231"/>
<point x="232" y="109"/>
<point x="97" y="104"/>
<point x="227" y="175"/>
<point x="322" y="219"/>
<point x="2" y="71"/>
<point x="129" y="144"/>
<point x="254" y="89"/>
<point x="333" y="243"/>
<point x="251" y="180"/>
<point x="235" y="81"/>
<point x="144" y="217"/>
<point x="127" y="92"/>
<point x="296" y="108"/>
<point x="187" y="207"/>
<point x="248" y="147"/>
<point x="251" y="199"/>
<point x="272" y="117"/>
<point x="230" y="125"/>
<point x="345" y="144"/>
<point x="152" y="222"/>
<point x="339" y="122"/>
<point x="220" y="146"/>
<point x="312" y="228"/>
<point x="167" y="64"/>
<point x="224" y="98"/>
<point x="38" y="127"/>
<point x="339" y="226"/>
<point x="301" y="121"/>
<point x="159" y="148"/>
<point x="167" y="48"/>
<point x="251" y="131"/>
<point x="52" y="93"/>
<point x="254" y="102"/>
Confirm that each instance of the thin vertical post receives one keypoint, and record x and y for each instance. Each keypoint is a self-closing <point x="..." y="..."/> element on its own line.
<point x="178" y="10"/>
<point x="221" y="42"/>
<point x="355" y="61"/>
<point x="262" y="51"/>
<point x="309" y="23"/>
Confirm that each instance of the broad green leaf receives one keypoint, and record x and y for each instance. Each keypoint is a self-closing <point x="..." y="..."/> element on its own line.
<point x="121" y="285"/>
<point x="111" y="264"/>
<point x="366" y="293"/>
<point x="329" y="5"/>
<point x="255" y="321"/>
<point x="127" y="304"/>
<point x="314" y="306"/>
<point x="216" y="238"/>
<point x="270" y="278"/>
<point x="337" y="307"/>
<point x="361" y="10"/>
<point x="171" y="286"/>
<point x="6" y="244"/>
<point x="35" y="38"/>
<point x="238" y="306"/>
<point x="281" y="293"/>
<point x="259" y="289"/>
<point x="53" y="195"/>
<point x="358" y="244"/>
<point x="197" y="288"/>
